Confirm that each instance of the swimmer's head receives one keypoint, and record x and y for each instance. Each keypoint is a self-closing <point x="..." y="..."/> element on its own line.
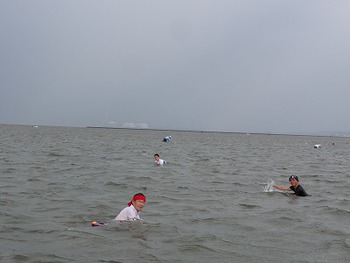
<point x="138" y="196"/>
<point x="156" y="157"/>
<point x="293" y="177"/>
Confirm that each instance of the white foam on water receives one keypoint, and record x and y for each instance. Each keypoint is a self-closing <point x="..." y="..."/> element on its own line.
<point x="269" y="186"/>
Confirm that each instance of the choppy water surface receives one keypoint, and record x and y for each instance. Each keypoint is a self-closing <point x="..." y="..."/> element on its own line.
<point x="206" y="205"/>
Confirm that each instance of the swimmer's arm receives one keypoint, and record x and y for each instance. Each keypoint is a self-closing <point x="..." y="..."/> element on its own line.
<point x="280" y="187"/>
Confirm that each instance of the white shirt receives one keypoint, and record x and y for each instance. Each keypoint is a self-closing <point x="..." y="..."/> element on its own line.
<point x="161" y="162"/>
<point x="166" y="138"/>
<point x="128" y="214"/>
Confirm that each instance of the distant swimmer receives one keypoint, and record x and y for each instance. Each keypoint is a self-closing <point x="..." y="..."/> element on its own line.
<point x="316" y="146"/>
<point x="294" y="186"/>
<point x="158" y="161"/>
<point x="131" y="212"/>
<point x="167" y="138"/>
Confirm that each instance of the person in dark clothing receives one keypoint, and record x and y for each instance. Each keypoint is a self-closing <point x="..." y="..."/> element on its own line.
<point x="294" y="186"/>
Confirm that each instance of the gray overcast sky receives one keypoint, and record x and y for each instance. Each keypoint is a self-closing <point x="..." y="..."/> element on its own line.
<point x="245" y="65"/>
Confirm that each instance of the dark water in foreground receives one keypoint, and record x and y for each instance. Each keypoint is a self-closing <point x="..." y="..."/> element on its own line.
<point x="206" y="205"/>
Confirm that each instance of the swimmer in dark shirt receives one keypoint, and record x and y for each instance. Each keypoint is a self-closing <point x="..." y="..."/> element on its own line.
<point x="294" y="186"/>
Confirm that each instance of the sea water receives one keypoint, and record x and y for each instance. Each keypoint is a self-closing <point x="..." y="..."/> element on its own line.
<point x="208" y="204"/>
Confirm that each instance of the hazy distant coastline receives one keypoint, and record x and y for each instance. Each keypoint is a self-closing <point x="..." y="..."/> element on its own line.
<point x="318" y="134"/>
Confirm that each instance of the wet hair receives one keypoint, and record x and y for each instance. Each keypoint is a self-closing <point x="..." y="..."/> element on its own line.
<point x="156" y="155"/>
<point x="293" y="177"/>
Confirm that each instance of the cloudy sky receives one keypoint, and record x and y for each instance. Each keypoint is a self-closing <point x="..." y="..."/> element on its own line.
<point x="227" y="65"/>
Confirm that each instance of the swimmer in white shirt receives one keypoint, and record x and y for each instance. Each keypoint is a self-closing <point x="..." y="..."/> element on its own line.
<point x="158" y="161"/>
<point x="167" y="139"/>
<point x="131" y="212"/>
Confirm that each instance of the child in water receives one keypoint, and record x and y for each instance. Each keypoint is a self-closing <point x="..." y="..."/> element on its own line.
<point x="158" y="161"/>
<point x="131" y="212"/>
<point x="294" y="186"/>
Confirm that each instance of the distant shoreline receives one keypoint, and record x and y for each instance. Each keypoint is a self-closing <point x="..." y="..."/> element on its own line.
<point x="320" y="134"/>
<point x="224" y="132"/>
